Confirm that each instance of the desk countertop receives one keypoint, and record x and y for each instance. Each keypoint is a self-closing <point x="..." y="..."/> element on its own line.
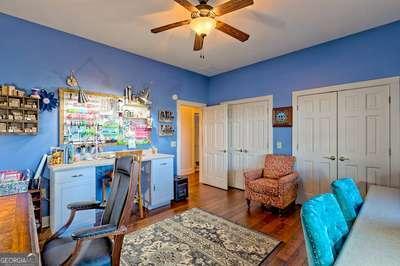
<point x="102" y="162"/>
<point x="17" y="225"/>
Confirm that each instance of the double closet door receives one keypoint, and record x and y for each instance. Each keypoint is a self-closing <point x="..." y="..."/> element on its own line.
<point x="248" y="139"/>
<point x="343" y="134"/>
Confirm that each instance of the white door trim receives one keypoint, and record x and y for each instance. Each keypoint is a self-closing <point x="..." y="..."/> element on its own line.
<point x="394" y="84"/>
<point x="179" y="103"/>
<point x="268" y="98"/>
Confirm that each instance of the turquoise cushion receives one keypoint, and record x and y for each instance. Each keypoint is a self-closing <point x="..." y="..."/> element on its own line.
<point x="348" y="197"/>
<point x="324" y="227"/>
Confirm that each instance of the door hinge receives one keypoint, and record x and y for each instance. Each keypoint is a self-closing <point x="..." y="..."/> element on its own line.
<point x="297" y="107"/>
<point x="390" y="99"/>
<point x="390" y="152"/>
<point x="297" y="147"/>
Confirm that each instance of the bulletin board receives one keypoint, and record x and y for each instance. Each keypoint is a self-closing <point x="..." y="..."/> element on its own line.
<point x="105" y="118"/>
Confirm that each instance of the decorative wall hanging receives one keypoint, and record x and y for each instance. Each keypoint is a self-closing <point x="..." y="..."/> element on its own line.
<point x="166" y="130"/>
<point x="72" y="81"/>
<point x="166" y="116"/>
<point x="282" y="116"/>
<point x="141" y="97"/>
<point x="105" y="118"/>
<point x="47" y="102"/>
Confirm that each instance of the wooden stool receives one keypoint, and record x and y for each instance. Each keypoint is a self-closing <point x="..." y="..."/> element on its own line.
<point x="107" y="180"/>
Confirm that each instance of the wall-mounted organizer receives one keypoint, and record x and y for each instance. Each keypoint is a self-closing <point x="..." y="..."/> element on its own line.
<point x="166" y="130"/>
<point x="19" y="115"/>
<point x="104" y="118"/>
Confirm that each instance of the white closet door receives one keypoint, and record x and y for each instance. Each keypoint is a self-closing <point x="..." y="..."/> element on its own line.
<point x="249" y="127"/>
<point x="257" y="120"/>
<point x="235" y="122"/>
<point x="363" y="134"/>
<point x="215" y="156"/>
<point x="317" y="143"/>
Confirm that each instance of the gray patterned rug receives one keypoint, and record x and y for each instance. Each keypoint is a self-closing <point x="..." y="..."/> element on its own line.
<point x="196" y="237"/>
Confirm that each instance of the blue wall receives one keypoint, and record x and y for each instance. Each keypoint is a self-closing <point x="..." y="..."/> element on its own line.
<point x="35" y="56"/>
<point x="367" y="55"/>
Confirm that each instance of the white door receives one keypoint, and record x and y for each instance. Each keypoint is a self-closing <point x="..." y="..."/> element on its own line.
<point x="235" y="167"/>
<point x="256" y="135"/>
<point x="249" y="137"/>
<point x="363" y="136"/>
<point x="215" y="162"/>
<point x="317" y="143"/>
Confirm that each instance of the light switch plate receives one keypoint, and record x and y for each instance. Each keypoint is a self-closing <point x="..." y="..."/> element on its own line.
<point x="279" y="144"/>
<point x="173" y="144"/>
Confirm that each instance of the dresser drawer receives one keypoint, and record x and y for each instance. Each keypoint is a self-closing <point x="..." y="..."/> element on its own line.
<point x="79" y="174"/>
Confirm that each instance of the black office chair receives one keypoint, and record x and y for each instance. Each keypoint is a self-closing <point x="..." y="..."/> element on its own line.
<point x="95" y="246"/>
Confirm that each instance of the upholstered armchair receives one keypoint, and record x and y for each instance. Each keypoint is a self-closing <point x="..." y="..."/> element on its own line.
<point x="348" y="197"/>
<point x="275" y="185"/>
<point x="98" y="245"/>
<point x="325" y="229"/>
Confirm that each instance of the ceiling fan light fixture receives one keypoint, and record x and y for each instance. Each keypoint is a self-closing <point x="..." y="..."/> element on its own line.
<point x="203" y="25"/>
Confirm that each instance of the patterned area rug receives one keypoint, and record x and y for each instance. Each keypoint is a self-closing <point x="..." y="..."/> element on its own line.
<point x="196" y="237"/>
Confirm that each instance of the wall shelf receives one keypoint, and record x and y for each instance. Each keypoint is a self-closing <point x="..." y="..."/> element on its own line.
<point x="13" y="113"/>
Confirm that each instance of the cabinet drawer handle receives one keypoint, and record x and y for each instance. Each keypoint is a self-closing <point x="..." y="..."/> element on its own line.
<point x="154" y="188"/>
<point x="163" y="163"/>
<point x="77" y="175"/>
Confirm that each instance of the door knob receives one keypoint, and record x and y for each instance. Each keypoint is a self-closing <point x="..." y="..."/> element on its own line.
<point x="246" y="151"/>
<point x="330" y="157"/>
<point x="342" y="158"/>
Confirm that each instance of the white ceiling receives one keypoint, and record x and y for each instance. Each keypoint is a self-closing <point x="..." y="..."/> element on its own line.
<point x="276" y="27"/>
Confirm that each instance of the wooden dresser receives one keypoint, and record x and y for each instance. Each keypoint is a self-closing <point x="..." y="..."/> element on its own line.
<point x="17" y="225"/>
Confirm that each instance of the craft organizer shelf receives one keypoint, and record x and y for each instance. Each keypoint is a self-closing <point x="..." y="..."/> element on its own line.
<point x="19" y="115"/>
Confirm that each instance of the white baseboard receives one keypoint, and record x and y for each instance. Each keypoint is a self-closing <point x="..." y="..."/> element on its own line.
<point x="46" y="221"/>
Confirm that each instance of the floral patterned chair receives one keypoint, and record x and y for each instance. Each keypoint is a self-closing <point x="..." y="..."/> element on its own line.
<point x="275" y="185"/>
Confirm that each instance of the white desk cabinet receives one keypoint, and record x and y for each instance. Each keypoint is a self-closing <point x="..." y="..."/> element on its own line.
<point x="71" y="186"/>
<point x="161" y="190"/>
<point x="77" y="182"/>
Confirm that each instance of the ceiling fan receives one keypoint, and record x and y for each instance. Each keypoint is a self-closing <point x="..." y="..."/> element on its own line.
<point x="203" y="20"/>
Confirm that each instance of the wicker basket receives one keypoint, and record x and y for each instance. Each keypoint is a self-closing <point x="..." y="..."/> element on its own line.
<point x="13" y="187"/>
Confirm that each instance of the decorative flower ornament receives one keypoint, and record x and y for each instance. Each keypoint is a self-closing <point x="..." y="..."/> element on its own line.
<point x="48" y="102"/>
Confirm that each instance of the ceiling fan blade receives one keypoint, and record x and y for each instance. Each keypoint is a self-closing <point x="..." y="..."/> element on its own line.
<point x="198" y="42"/>
<point x="235" y="33"/>
<point x="186" y="4"/>
<point x="171" y="26"/>
<point x="231" y="6"/>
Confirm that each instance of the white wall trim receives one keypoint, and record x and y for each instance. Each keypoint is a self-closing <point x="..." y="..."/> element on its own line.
<point x="394" y="85"/>
<point x="179" y="103"/>
<point x="45" y="221"/>
<point x="250" y="100"/>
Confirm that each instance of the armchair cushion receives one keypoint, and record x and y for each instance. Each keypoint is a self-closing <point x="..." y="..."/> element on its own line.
<point x="93" y="251"/>
<point x="92" y="232"/>
<point x="85" y="205"/>
<point x="277" y="166"/>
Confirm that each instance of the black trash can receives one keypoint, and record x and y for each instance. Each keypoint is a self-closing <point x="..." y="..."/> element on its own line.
<point x="181" y="187"/>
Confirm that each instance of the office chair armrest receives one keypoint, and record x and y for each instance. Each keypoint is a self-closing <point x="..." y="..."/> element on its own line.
<point x="98" y="232"/>
<point x="85" y="205"/>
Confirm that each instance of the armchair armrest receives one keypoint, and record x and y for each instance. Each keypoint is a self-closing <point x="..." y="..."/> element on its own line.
<point x="253" y="174"/>
<point x="290" y="178"/>
<point x="95" y="232"/>
<point x="85" y="205"/>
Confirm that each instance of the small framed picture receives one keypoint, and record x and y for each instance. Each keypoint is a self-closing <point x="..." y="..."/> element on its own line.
<point x="282" y="117"/>
<point x="166" y="116"/>
<point x="166" y="130"/>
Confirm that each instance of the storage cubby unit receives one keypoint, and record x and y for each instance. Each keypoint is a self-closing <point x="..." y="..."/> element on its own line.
<point x="19" y="115"/>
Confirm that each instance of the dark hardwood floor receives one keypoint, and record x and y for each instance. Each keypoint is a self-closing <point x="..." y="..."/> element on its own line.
<point x="232" y="206"/>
